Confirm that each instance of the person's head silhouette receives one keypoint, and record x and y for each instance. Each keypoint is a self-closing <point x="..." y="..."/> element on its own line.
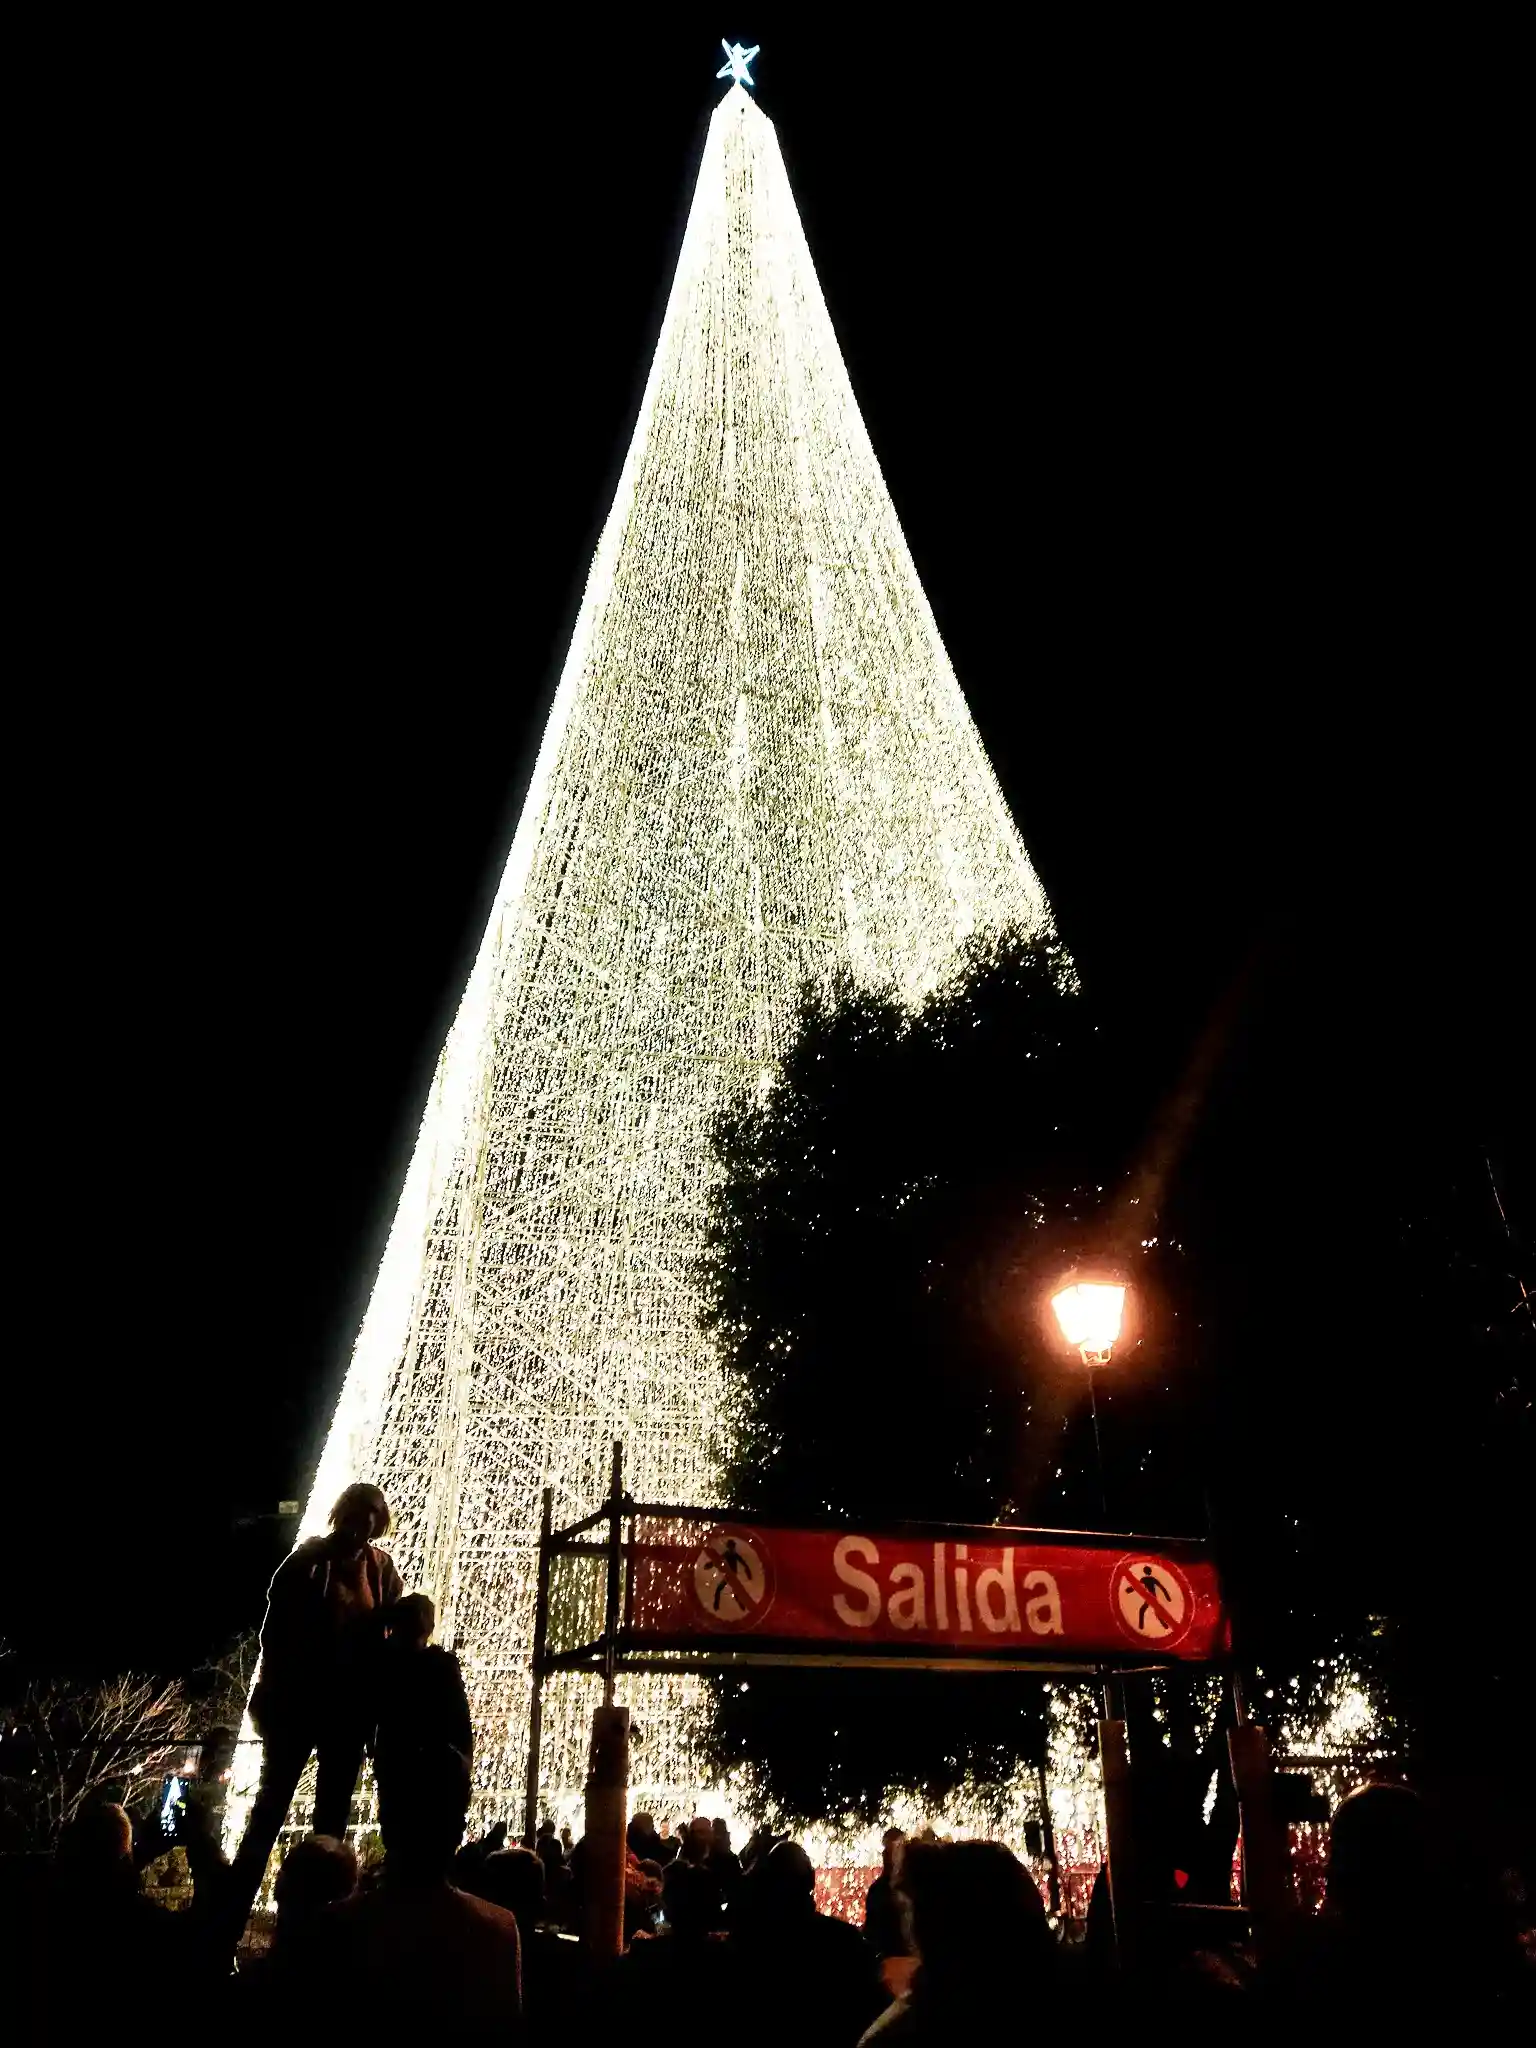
<point x="95" y="1851"/>
<point x="514" y="1878"/>
<point x="977" y="1921"/>
<point x="691" y="1900"/>
<point x="421" y="1816"/>
<point x="411" y="1622"/>
<point x="786" y="1884"/>
<point x="315" y="1874"/>
<point x="1381" y="1857"/>
<point x="360" y="1517"/>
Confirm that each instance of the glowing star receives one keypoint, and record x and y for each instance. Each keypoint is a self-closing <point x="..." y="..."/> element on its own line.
<point x="759" y="771"/>
<point x="736" y="61"/>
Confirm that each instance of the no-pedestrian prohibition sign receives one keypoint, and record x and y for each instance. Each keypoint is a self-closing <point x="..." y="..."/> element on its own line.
<point x="1152" y="1600"/>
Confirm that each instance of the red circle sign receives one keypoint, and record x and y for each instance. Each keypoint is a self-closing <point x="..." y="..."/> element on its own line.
<point x="1153" y="1601"/>
<point x="733" y="1578"/>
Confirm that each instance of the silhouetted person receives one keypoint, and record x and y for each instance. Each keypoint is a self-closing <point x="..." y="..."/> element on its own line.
<point x="695" y="1845"/>
<point x="642" y="1838"/>
<point x="759" y="1844"/>
<point x="422" y="1706"/>
<point x="546" y="1844"/>
<point x="195" y="1827"/>
<point x="683" y="1969"/>
<point x="201" y="1836"/>
<point x="556" y="1878"/>
<point x="1394" y="1940"/>
<point x="698" y="1838"/>
<point x="985" y="1955"/>
<point x="423" y="1953"/>
<point x="317" y="1872"/>
<point x="554" y="1978"/>
<point x="317" y="1692"/>
<point x="723" y="1860"/>
<point x="514" y="1878"/>
<point x="690" y="1900"/>
<point x="473" y="1854"/>
<point x="882" y="1909"/>
<point x="805" y="1977"/>
<point x="99" y="1939"/>
<point x="573" y="1907"/>
<point x="642" y="1894"/>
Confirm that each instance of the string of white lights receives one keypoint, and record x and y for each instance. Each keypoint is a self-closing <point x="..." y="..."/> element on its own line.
<point x="758" y="770"/>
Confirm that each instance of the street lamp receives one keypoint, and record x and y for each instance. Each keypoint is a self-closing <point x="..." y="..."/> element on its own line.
<point x="1090" y="1313"/>
<point x="1090" y="1310"/>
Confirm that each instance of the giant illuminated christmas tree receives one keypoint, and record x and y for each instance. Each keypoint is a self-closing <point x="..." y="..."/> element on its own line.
<point x="758" y="770"/>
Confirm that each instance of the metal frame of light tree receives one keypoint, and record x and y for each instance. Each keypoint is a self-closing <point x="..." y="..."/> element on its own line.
<point x="759" y="771"/>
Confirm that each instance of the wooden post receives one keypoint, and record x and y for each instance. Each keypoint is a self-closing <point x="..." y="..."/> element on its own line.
<point x="1120" y="1843"/>
<point x="602" y="1930"/>
<point x="1266" y="1877"/>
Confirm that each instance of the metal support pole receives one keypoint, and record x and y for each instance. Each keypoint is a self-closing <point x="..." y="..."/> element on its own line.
<point x="1048" y="1839"/>
<point x="536" y="1705"/>
<point x="1120" y="1839"/>
<point x="1266" y="1861"/>
<point x="1120" y="1843"/>
<point x="1098" y="1448"/>
<point x="1112" y="1689"/>
<point x="611" y="1621"/>
<point x="1266" y="1864"/>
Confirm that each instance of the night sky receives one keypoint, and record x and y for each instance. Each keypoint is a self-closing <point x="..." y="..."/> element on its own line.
<point x="1191" y="370"/>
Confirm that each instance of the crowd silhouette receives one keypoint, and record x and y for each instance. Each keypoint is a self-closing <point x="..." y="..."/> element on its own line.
<point x="482" y="1934"/>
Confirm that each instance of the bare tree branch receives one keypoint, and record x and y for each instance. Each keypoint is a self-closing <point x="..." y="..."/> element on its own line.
<point x="88" y="1739"/>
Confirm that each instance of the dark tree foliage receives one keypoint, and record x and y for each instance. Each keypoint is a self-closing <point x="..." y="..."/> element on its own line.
<point x="1375" y="1401"/>
<point x="881" y="1251"/>
<point x="1369" y="1352"/>
<point x="1331" y="1353"/>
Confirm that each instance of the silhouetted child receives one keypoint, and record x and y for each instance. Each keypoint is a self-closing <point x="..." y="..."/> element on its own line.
<point x="317" y="1873"/>
<point x="422" y="1707"/>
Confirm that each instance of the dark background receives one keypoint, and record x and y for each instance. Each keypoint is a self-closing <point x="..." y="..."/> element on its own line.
<point x="1191" y="365"/>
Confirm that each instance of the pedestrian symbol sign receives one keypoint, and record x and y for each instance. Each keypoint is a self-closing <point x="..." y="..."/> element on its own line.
<point x="732" y="1578"/>
<point x="1152" y="1600"/>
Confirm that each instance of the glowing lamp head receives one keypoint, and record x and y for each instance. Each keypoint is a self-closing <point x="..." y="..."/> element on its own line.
<point x="1090" y="1313"/>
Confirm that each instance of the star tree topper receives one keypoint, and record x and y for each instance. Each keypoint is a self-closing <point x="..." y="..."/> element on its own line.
<point x="736" y="61"/>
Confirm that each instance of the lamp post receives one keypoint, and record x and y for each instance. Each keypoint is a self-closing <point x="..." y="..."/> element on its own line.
<point x="1090" y="1309"/>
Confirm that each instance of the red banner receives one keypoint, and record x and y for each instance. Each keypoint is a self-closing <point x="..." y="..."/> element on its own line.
<point x="1005" y="1590"/>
